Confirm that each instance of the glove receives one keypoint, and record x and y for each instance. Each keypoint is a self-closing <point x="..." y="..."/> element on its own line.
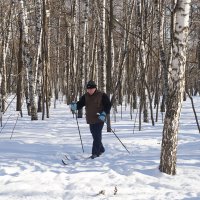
<point x="102" y="116"/>
<point x="73" y="106"/>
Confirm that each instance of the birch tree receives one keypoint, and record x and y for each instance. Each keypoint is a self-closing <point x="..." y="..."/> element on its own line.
<point x="6" y="33"/>
<point x="101" y="8"/>
<point x="38" y="43"/>
<point x="45" y="57"/>
<point x="198" y="48"/>
<point x="176" y="88"/>
<point x="142" y="23"/>
<point x="20" y="67"/>
<point x="109" y="60"/>
<point x="28" y="61"/>
<point x="159" y="12"/>
<point x="86" y="42"/>
<point x="73" y="51"/>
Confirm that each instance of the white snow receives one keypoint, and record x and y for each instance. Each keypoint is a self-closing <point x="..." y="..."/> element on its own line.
<point x="31" y="168"/>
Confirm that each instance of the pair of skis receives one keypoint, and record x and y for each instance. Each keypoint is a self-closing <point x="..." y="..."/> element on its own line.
<point x="67" y="160"/>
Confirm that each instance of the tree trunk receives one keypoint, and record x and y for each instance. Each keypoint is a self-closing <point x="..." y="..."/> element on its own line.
<point x="46" y="63"/>
<point x="20" y="69"/>
<point x="102" y="79"/>
<point x="176" y="89"/>
<point x="86" y="43"/>
<point x="198" y="49"/>
<point x="38" y="61"/>
<point x="159" y="11"/>
<point x="109" y="60"/>
<point x="28" y="60"/>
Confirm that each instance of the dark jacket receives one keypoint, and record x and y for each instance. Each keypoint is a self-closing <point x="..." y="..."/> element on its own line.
<point x="96" y="103"/>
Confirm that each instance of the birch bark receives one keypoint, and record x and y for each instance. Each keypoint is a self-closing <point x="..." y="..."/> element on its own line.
<point x="101" y="8"/>
<point x="28" y="61"/>
<point x="6" y="32"/>
<point x="198" y="49"/>
<point x="176" y="89"/>
<point x="85" y="42"/>
<point x="38" y="61"/>
<point x="159" y="12"/>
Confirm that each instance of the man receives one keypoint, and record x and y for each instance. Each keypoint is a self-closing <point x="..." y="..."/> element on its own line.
<point x="97" y="105"/>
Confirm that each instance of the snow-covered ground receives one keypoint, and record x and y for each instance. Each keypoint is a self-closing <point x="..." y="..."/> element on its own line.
<point x="31" y="168"/>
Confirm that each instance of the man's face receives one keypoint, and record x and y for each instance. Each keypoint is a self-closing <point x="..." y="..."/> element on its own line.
<point x="91" y="91"/>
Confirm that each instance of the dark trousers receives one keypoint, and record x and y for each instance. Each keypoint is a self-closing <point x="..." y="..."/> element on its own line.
<point x="96" y="130"/>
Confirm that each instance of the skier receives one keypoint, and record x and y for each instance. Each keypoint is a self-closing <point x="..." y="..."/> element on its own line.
<point x="97" y="105"/>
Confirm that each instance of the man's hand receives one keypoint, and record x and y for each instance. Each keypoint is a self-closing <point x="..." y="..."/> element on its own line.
<point x="73" y="106"/>
<point x="102" y="116"/>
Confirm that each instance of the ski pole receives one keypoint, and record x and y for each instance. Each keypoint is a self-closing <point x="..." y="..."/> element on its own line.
<point x="79" y="131"/>
<point x="117" y="137"/>
<point x="74" y="112"/>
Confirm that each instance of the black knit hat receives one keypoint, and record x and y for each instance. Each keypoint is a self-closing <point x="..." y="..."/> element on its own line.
<point x="91" y="84"/>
